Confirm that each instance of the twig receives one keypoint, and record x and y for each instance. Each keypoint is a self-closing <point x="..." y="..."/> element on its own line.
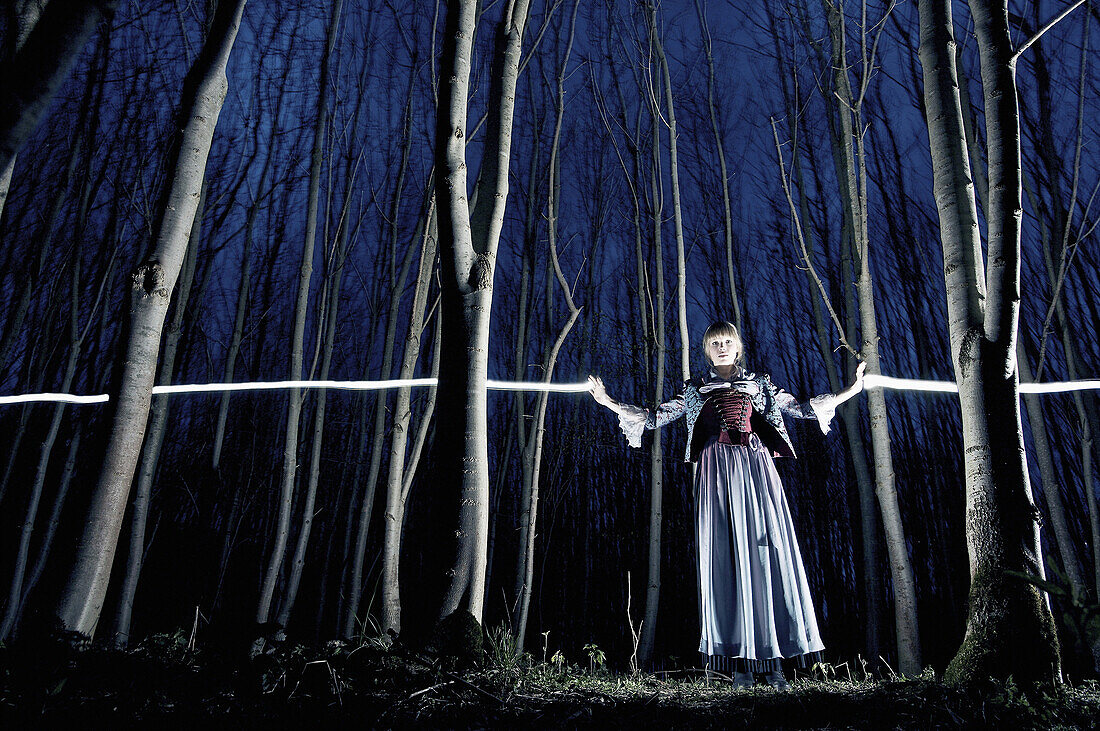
<point x="429" y="689"/>
<point x="1039" y="34"/>
<point x="802" y="243"/>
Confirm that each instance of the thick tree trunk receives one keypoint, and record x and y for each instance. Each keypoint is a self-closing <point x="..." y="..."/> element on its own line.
<point x="151" y="289"/>
<point x="1010" y="631"/>
<point x="468" y="244"/>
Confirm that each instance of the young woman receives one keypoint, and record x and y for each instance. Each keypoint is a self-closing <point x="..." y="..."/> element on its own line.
<point x="754" y="599"/>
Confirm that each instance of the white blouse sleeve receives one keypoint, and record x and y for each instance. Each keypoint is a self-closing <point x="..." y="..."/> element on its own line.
<point x="633" y="420"/>
<point x="822" y="408"/>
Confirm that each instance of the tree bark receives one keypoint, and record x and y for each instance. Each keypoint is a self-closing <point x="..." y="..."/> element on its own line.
<point x="398" y="477"/>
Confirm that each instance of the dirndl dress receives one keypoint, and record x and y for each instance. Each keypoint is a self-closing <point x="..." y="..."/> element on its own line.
<point x="754" y="599"/>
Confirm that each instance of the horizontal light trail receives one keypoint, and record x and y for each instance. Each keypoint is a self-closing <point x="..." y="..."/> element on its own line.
<point x="911" y="384"/>
<point x="63" y="398"/>
<point x="870" y="381"/>
<point x="282" y="385"/>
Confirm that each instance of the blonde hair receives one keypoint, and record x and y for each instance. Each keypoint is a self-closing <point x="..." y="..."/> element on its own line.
<point x="723" y="329"/>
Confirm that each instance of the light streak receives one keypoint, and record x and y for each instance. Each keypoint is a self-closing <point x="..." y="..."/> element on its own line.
<point x="282" y="385"/>
<point x="64" y="398"/>
<point x="870" y="381"/>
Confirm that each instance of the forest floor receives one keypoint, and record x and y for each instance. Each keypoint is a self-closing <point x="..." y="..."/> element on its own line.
<point x="163" y="683"/>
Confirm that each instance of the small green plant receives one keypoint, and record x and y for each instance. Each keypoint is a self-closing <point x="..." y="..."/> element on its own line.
<point x="502" y="648"/>
<point x="558" y="661"/>
<point x="596" y="657"/>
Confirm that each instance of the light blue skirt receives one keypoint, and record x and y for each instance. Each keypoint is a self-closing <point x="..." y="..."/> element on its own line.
<point x="754" y="598"/>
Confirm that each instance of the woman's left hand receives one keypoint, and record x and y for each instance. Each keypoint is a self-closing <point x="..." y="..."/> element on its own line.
<point x="857" y="385"/>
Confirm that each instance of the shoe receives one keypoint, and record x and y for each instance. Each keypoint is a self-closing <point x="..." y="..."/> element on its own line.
<point x="776" y="680"/>
<point x="743" y="680"/>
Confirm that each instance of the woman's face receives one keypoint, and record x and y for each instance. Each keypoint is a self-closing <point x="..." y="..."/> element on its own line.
<point x="723" y="350"/>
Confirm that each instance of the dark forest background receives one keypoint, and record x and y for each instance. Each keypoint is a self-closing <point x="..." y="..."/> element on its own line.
<point x="82" y="210"/>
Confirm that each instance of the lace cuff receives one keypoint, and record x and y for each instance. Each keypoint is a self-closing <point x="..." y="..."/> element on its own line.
<point x="824" y="407"/>
<point x="632" y="421"/>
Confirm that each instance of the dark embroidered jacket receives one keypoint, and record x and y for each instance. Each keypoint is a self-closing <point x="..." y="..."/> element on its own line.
<point x="769" y="404"/>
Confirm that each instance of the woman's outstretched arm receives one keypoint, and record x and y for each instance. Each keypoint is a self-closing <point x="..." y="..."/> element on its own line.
<point x="633" y="420"/>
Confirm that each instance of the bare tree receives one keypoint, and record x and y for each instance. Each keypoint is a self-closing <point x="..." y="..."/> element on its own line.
<point x="154" y="439"/>
<point x="294" y="395"/>
<point x="1010" y="631"/>
<point x="853" y="177"/>
<point x="468" y="244"/>
<point x="152" y="283"/>
<point x="532" y="453"/>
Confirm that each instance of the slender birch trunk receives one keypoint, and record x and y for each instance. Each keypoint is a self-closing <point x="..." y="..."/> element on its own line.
<point x="297" y="343"/>
<point x="397" y="476"/>
<point x="854" y="179"/>
<point x="533" y="451"/>
<point x="723" y="170"/>
<point x="378" y="431"/>
<point x="677" y="210"/>
<point x="468" y="243"/>
<point x="656" y="455"/>
<point x="16" y="587"/>
<point x="1010" y="631"/>
<point x="204" y="91"/>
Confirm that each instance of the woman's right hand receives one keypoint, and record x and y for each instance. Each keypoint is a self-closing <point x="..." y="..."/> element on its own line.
<point x="599" y="393"/>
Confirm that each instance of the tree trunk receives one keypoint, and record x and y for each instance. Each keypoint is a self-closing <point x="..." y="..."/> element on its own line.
<point x="151" y="289"/>
<point x="656" y="455"/>
<point x="397" y="286"/>
<point x="468" y="244"/>
<point x="1010" y="631"/>
<point x="16" y="588"/>
<point x="396" y="494"/>
<point x="154" y="440"/>
<point x="854" y="179"/>
<point x="677" y="211"/>
<point x="723" y="171"/>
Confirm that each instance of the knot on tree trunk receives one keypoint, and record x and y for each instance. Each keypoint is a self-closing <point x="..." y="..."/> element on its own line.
<point x="969" y="351"/>
<point x="150" y="280"/>
<point x="481" y="273"/>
